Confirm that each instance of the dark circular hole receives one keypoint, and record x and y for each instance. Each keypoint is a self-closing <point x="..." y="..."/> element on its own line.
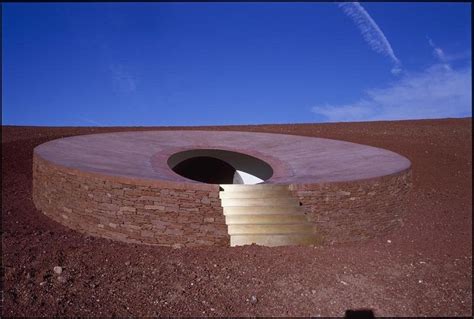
<point x="220" y="167"/>
<point x="206" y="169"/>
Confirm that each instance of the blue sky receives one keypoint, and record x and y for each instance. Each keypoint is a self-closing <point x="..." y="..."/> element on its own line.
<point x="143" y="64"/>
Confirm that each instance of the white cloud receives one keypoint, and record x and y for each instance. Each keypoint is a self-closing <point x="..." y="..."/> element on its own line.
<point x="436" y="92"/>
<point x="439" y="54"/>
<point x="444" y="57"/>
<point x="371" y="32"/>
<point x="457" y="56"/>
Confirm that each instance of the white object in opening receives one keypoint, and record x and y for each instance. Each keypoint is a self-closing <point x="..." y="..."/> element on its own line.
<point x="245" y="178"/>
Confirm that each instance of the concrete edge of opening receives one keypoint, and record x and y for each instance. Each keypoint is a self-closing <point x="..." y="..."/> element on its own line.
<point x="244" y="168"/>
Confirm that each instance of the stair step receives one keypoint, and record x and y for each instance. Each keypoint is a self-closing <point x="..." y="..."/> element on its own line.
<point x="256" y="194"/>
<point x="276" y="201"/>
<point x="265" y="219"/>
<point x="265" y="214"/>
<point x="247" y="188"/>
<point x="256" y="229"/>
<point x="275" y="240"/>
<point x="262" y="210"/>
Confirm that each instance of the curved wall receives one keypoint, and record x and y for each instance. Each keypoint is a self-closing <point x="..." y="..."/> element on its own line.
<point x="107" y="185"/>
<point x="354" y="211"/>
<point x="135" y="211"/>
<point x="159" y="213"/>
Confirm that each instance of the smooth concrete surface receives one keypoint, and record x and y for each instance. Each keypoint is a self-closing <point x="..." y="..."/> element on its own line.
<point x="294" y="159"/>
<point x="255" y="194"/>
<point x="254" y="229"/>
<point x="283" y="221"/>
<point x="264" y="201"/>
<point x="259" y="187"/>
<point x="261" y="210"/>
<point x="274" y="240"/>
<point x="264" y="219"/>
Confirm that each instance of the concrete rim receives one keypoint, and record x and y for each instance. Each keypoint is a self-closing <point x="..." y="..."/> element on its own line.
<point x="140" y="157"/>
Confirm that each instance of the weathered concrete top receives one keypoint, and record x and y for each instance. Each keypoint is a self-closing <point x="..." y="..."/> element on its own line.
<point x="295" y="159"/>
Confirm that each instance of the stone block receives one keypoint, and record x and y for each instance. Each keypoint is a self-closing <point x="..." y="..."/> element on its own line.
<point x="155" y="207"/>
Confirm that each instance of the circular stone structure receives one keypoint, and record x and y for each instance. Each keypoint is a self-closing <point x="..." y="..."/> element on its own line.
<point x="126" y="186"/>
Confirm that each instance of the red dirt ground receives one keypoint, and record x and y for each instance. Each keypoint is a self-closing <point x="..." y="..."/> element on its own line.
<point x="421" y="269"/>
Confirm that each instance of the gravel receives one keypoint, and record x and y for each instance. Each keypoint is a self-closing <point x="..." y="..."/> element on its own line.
<point x="58" y="270"/>
<point x="426" y="270"/>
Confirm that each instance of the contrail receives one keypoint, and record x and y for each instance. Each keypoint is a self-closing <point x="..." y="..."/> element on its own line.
<point x="370" y="31"/>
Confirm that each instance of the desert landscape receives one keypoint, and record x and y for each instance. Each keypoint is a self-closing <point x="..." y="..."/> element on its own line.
<point x="423" y="268"/>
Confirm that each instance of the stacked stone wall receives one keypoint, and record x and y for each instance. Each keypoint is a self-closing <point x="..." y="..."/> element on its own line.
<point x="190" y="214"/>
<point x="358" y="210"/>
<point x="123" y="209"/>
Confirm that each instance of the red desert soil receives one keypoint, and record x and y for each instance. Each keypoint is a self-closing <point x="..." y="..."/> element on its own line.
<point x="421" y="269"/>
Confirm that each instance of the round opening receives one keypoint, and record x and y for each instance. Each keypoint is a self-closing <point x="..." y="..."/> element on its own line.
<point x="220" y="167"/>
